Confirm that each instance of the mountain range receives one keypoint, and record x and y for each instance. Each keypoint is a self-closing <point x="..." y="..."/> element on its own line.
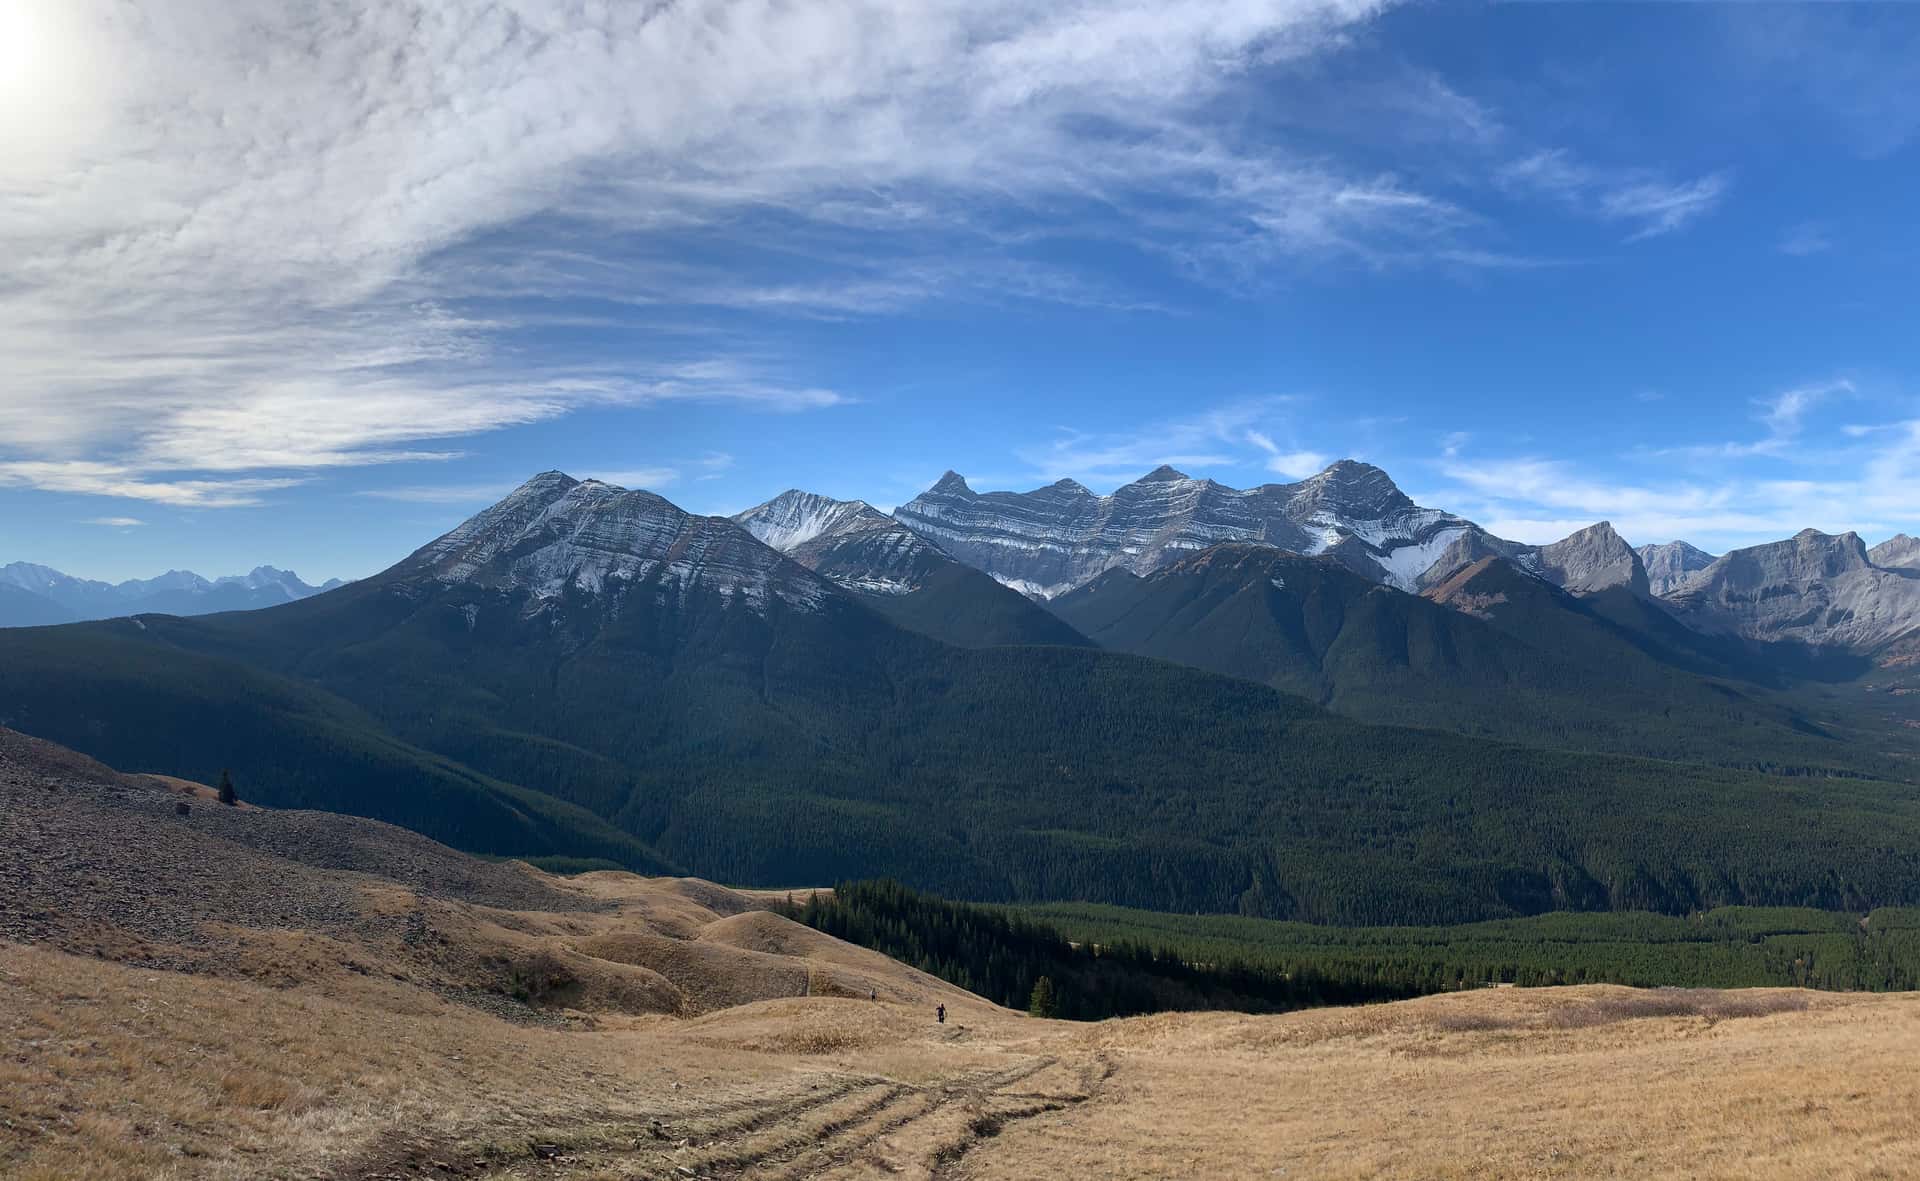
<point x="1814" y="589"/>
<point x="586" y="670"/>
<point x="31" y="596"/>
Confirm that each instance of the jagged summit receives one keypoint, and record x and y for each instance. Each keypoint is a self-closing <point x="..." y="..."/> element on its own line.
<point x="899" y="573"/>
<point x="1052" y="539"/>
<point x="1593" y="559"/>
<point x="952" y="482"/>
<point x="554" y="536"/>
<point x="1354" y="489"/>
<point x="794" y="518"/>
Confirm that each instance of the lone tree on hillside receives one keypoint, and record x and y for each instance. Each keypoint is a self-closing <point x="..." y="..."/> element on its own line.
<point x="228" y="796"/>
<point x="1042" y="1003"/>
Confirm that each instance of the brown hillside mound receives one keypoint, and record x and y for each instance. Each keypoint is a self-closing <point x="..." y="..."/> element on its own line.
<point x="773" y="934"/>
<point x="709" y="976"/>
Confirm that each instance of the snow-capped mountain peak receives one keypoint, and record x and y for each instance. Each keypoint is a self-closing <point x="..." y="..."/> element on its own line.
<point x="794" y="518"/>
<point x="848" y="542"/>
<point x="554" y="536"/>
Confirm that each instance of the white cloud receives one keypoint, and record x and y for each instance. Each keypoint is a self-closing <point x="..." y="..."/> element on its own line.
<point x="1212" y="438"/>
<point x="208" y="272"/>
<point x="1871" y="487"/>
<point x="1652" y="203"/>
<point x="647" y="478"/>
<point x="1782" y="414"/>
<point x="441" y="493"/>
<point x="1298" y="465"/>
<point x="106" y="479"/>
<point x="114" y="522"/>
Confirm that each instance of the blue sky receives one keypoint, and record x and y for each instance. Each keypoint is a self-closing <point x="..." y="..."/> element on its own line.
<point x="307" y="289"/>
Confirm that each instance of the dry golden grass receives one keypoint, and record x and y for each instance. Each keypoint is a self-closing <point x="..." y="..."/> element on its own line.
<point x="1585" y="1082"/>
<point x="112" y="1072"/>
<point x="404" y="1020"/>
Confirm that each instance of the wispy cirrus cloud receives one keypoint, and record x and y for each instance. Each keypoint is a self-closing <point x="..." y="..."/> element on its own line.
<point x="1804" y="473"/>
<point x="475" y="494"/>
<point x="1241" y="434"/>
<point x="1782" y="414"/>
<point x="211" y="275"/>
<point x="90" y="478"/>
<point x="1651" y="204"/>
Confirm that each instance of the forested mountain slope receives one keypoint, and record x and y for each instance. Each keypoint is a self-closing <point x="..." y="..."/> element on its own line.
<point x="742" y="718"/>
<point x="1492" y="651"/>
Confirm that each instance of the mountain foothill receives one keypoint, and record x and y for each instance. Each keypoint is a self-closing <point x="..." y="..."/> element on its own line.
<point x="1315" y="700"/>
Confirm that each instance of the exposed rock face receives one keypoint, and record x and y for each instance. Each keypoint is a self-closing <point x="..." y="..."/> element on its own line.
<point x="1593" y="559"/>
<point x="1897" y="552"/>
<point x="1814" y="588"/>
<point x="1053" y="539"/>
<point x="1670" y="565"/>
<point x="848" y="542"/>
<point x="899" y="573"/>
<point x="555" y="536"/>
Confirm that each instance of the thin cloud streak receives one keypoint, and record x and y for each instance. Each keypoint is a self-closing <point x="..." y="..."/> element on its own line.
<point x="1655" y="204"/>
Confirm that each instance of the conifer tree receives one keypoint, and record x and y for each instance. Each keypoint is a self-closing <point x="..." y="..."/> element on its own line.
<point x="1042" y="1003"/>
<point x="228" y="796"/>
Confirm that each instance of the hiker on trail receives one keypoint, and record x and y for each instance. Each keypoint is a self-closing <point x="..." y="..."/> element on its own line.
<point x="940" y="1011"/>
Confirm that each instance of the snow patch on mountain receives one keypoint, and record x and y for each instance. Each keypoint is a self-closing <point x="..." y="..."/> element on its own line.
<point x="1048" y="541"/>
<point x="555" y="535"/>
<point x="1403" y="565"/>
<point x="794" y="518"/>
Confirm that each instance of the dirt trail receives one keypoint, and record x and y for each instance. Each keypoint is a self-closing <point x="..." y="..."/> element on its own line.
<point x="820" y="1125"/>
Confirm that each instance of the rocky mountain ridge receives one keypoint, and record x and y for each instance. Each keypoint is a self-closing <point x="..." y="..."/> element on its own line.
<point x="899" y="573"/>
<point x="1814" y="588"/>
<point x="1053" y="539"/>
<point x="556" y="538"/>
<point x="1049" y="541"/>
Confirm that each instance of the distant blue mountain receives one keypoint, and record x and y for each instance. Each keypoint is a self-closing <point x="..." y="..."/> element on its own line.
<point x="32" y="595"/>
